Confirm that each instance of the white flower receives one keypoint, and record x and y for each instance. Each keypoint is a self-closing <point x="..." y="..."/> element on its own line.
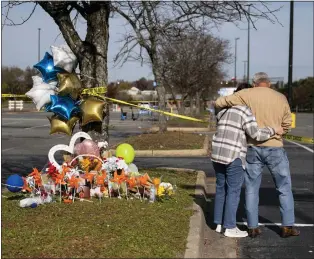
<point x="73" y="172"/>
<point x="166" y="186"/>
<point x="102" y="144"/>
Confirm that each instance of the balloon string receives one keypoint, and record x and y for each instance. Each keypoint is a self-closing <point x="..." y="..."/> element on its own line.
<point x="12" y="185"/>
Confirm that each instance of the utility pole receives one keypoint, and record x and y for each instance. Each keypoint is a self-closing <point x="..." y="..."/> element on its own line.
<point x="290" y="71"/>
<point x="235" y="62"/>
<point x="39" y="44"/>
<point x="248" y="47"/>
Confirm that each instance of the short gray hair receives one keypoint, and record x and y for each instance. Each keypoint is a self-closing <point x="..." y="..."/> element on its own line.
<point x="260" y="77"/>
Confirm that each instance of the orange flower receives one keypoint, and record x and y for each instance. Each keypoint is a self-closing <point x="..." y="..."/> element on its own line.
<point x="100" y="179"/>
<point x="37" y="176"/>
<point x="25" y="186"/>
<point x="143" y="180"/>
<point x="60" y="179"/>
<point x="118" y="178"/>
<point x="74" y="182"/>
<point x="156" y="182"/>
<point x="89" y="177"/>
<point x="131" y="182"/>
<point x="65" y="169"/>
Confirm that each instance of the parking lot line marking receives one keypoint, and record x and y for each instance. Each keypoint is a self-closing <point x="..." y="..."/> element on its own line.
<point x="3" y="150"/>
<point x="300" y="145"/>
<point x="24" y="119"/>
<point x="37" y="127"/>
<point x="277" y="224"/>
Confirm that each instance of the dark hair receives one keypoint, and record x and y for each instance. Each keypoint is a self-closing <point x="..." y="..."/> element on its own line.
<point x="242" y="86"/>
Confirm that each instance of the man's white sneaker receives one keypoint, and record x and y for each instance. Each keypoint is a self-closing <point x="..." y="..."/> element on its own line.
<point x="235" y="232"/>
<point x="218" y="228"/>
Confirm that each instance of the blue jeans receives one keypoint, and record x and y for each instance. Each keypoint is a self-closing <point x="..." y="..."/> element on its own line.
<point x="229" y="180"/>
<point x="276" y="160"/>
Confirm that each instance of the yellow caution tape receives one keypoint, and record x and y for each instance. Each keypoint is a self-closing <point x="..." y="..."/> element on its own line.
<point x="298" y="138"/>
<point x="293" y="122"/>
<point x="154" y="110"/>
<point x="13" y="95"/>
<point x="95" y="91"/>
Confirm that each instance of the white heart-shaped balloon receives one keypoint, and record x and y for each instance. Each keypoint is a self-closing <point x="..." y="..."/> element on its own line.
<point x="69" y="148"/>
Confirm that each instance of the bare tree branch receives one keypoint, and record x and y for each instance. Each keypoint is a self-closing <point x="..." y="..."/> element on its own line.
<point x="9" y="6"/>
<point x="61" y="15"/>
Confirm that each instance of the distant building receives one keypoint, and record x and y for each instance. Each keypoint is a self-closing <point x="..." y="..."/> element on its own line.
<point x="149" y="93"/>
<point x="133" y="91"/>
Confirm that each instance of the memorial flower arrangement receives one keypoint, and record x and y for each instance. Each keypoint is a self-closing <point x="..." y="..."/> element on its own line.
<point x="88" y="170"/>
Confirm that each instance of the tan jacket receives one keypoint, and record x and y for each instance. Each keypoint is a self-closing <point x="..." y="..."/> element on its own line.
<point x="269" y="107"/>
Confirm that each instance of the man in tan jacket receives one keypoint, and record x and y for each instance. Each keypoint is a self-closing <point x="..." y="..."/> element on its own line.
<point x="270" y="109"/>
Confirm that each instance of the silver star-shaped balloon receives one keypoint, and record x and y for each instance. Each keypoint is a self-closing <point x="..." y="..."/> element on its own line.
<point x="64" y="58"/>
<point x="40" y="93"/>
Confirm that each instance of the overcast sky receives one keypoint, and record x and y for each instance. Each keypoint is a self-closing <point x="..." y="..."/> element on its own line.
<point x="269" y="44"/>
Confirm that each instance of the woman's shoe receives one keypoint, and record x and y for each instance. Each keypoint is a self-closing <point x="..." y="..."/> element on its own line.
<point x="218" y="228"/>
<point x="235" y="232"/>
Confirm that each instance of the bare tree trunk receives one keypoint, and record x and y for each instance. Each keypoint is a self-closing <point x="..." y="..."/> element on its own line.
<point x="91" y="53"/>
<point x="174" y="99"/>
<point x="198" y="103"/>
<point x="191" y="105"/>
<point x="161" y="91"/>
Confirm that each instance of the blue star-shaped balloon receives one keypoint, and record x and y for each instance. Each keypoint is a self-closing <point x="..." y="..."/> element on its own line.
<point x="47" y="68"/>
<point x="63" y="106"/>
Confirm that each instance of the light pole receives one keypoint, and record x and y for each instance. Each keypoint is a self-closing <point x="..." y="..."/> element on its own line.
<point x="290" y="71"/>
<point x="248" y="48"/>
<point x="235" y="62"/>
<point x="244" y="62"/>
<point x="39" y="44"/>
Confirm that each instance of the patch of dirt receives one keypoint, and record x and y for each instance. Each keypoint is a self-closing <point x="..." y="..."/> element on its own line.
<point x="166" y="141"/>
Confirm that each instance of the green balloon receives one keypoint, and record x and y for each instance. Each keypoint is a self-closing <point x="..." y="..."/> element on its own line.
<point x="126" y="151"/>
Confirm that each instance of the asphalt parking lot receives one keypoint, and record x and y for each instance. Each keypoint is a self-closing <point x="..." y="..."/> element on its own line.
<point x="26" y="142"/>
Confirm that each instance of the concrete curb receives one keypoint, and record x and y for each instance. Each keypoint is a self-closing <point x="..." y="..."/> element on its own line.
<point x="195" y="239"/>
<point x="174" y="153"/>
<point x="182" y="129"/>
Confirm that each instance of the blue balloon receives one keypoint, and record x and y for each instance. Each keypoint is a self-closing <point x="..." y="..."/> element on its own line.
<point x="33" y="205"/>
<point x="15" y="183"/>
<point x="47" y="68"/>
<point x="63" y="106"/>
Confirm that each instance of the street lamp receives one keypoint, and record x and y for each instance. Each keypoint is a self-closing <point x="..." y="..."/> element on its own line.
<point x="39" y="44"/>
<point x="248" y="48"/>
<point x="235" y="62"/>
<point x="244" y="61"/>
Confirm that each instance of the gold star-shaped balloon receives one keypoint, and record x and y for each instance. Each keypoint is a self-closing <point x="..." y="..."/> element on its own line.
<point x="69" y="84"/>
<point x="92" y="110"/>
<point x="58" y="125"/>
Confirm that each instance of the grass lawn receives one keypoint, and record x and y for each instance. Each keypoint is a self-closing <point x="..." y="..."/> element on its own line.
<point x="166" y="141"/>
<point x="112" y="228"/>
